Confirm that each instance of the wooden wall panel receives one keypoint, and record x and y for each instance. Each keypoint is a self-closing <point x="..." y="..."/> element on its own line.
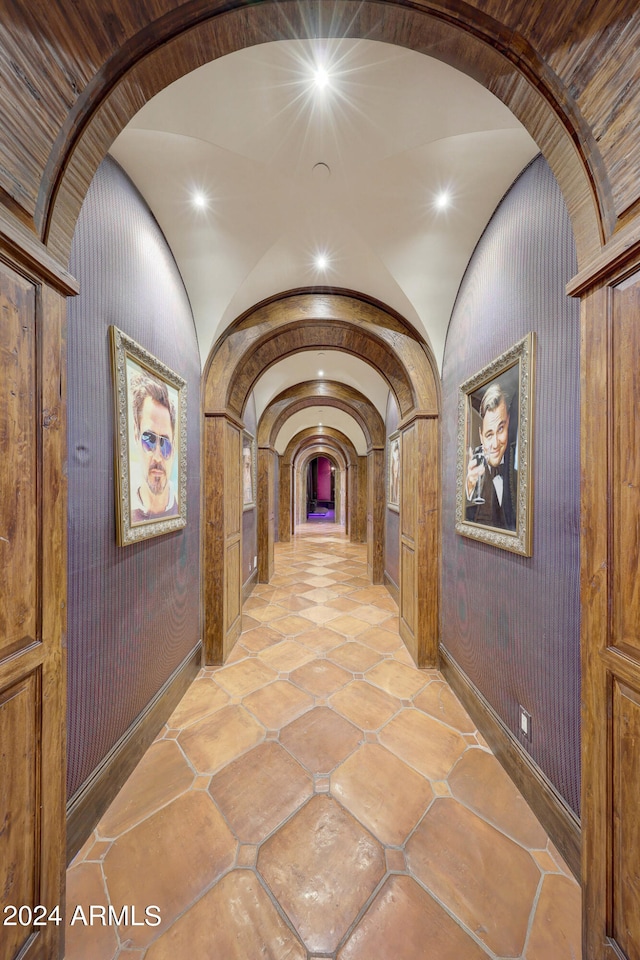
<point x="266" y="513"/>
<point x="625" y="382"/>
<point x="626" y="823"/>
<point x="19" y="804"/>
<point x="222" y="538"/>
<point x="18" y="479"/>
<point x="375" y="515"/>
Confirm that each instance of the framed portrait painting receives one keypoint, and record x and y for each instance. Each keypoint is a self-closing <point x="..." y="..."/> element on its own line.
<point x="150" y="443"/>
<point x="393" y="472"/>
<point x="248" y="471"/>
<point x="494" y="482"/>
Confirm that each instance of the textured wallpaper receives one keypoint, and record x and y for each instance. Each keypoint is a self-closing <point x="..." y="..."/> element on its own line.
<point x="133" y="612"/>
<point x="512" y="623"/>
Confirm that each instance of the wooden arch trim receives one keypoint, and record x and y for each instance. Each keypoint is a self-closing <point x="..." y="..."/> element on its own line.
<point x="328" y="393"/>
<point x="152" y="54"/>
<point x="321" y="319"/>
<point x="332" y="437"/>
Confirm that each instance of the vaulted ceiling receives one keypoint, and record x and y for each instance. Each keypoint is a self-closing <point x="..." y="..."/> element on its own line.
<point x="287" y="170"/>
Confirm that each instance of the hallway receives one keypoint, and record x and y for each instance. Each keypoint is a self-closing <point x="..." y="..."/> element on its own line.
<point x="318" y="796"/>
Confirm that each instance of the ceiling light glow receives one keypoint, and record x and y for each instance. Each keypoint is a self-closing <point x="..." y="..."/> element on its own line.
<point x="322" y="261"/>
<point x="321" y="373"/>
<point x="321" y="78"/>
<point x="443" y="200"/>
<point x="199" y="200"/>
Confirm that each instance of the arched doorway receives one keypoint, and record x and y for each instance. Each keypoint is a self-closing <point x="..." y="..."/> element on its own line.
<point x="148" y="61"/>
<point x="255" y="342"/>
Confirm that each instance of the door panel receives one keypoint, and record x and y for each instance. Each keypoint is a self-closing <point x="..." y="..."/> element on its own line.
<point x="32" y="611"/>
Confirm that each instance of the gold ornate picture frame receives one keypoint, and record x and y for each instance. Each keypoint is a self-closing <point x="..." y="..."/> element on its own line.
<point x="249" y="471"/>
<point x="393" y="472"/>
<point x="150" y="407"/>
<point x="494" y="477"/>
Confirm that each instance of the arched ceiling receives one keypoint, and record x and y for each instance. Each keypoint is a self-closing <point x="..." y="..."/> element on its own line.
<point x="353" y="171"/>
<point x="394" y="127"/>
<point x="329" y="417"/>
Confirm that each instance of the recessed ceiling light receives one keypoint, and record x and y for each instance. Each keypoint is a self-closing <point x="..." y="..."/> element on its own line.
<point x="321" y="78"/>
<point x="443" y="200"/>
<point x="322" y="261"/>
<point x="321" y="373"/>
<point x="199" y="200"/>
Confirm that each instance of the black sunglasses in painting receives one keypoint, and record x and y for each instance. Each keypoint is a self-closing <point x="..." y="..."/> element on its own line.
<point x="151" y="440"/>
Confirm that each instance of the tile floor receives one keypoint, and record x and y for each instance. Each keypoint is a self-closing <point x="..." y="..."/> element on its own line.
<point x="318" y="796"/>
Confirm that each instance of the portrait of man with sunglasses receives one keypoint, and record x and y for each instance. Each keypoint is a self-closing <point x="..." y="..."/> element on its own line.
<point x="154" y="496"/>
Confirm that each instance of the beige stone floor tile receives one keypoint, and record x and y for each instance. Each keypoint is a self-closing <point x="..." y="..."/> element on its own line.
<point x="294" y="604"/>
<point x="248" y="622"/>
<point x="267" y="612"/>
<point x="203" y="697"/>
<point x="440" y="701"/>
<point x="381" y="640"/>
<point x="396" y="678"/>
<point x="290" y="626"/>
<point x="259" y="790"/>
<point x="355" y="656"/>
<point x="258" y="639"/>
<point x="235" y="920"/>
<point x="343" y="604"/>
<point x="216" y="740"/>
<point x="321" y="677"/>
<point x="320" y="739"/>
<point x="423" y="742"/>
<point x="481" y="876"/>
<point x="382" y="792"/>
<point x="168" y="860"/>
<point x="319" y="613"/>
<point x="161" y="776"/>
<point x="319" y="581"/>
<point x="371" y="614"/>
<point x="241" y="678"/>
<point x="556" y="929"/>
<point x="366" y="706"/>
<point x="278" y="703"/>
<point x="254" y="603"/>
<point x="322" y="866"/>
<point x="286" y="656"/>
<point x="481" y="783"/>
<point x="348" y="625"/>
<point x="405" y="923"/>
<point x="85" y="887"/>
<point x="321" y="639"/>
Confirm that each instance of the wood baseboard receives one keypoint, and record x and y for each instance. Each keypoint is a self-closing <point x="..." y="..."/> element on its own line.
<point x="557" y="818"/>
<point x="92" y="799"/>
<point x="392" y="587"/>
<point x="248" y="585"/>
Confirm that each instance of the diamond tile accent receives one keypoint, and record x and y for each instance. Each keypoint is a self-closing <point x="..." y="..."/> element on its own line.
<point x="267" y="772"/>
<point x="322" y="866"/>
<point x="320" y="739"/>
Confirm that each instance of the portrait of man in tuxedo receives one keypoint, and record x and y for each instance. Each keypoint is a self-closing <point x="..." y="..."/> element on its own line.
<point x="492" y="475"/>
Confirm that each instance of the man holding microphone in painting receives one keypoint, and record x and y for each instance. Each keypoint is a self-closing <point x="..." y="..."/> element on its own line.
<point x="492" y="477"/>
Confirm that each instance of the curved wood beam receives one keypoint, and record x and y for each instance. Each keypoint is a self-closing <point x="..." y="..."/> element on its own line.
<point x="322" y="319"/>
<point x="328" y="393"/>
<point x="331" y="436"/>
<point x="88" y="94"/>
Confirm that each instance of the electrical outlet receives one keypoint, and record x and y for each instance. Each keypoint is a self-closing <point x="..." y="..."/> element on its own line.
<point x="525" y="723"/>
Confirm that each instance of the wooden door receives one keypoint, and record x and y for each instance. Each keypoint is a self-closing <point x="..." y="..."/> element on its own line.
<point x="32" y="617"/>
<point x="611" y="621"/>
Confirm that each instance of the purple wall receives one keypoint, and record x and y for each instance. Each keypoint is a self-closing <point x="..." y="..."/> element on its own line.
<point x="133" y="612"/>
<point x="512" y="623"/>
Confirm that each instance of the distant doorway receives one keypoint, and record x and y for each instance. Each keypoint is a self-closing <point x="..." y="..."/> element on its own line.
<point x="321" y="485"/>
